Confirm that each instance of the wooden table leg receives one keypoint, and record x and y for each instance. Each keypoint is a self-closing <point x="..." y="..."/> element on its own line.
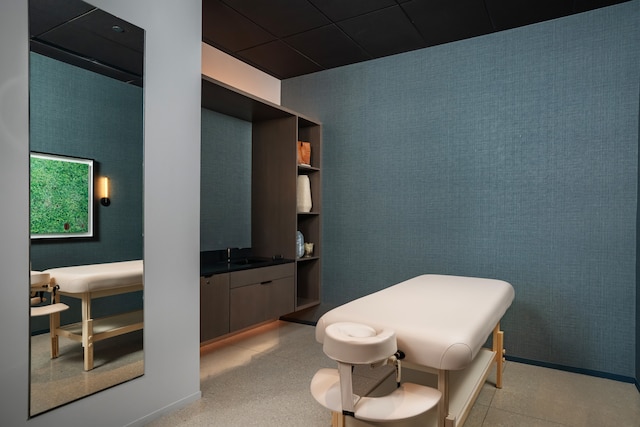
<point x="54" y="324"/>
<point x="443" y="404"/>
<point x="498" y="347"/>
<point x="337" y="419"/>
<point x="87" y="333"/>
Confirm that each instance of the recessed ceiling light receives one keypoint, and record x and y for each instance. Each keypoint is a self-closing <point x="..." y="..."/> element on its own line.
<point x="117" y="29"/>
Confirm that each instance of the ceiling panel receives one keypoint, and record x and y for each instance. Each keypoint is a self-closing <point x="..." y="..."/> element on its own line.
<point x="339" y="10"/>
<point x="238" y="31"/>
<point x="584" y="5"/>
<point x="506" y="14"/>
<point x="111" y="29"/>
<point x="280" y="17"/>
<point x="383" y="32"/>
<point x="47" y="14"/>
<point x="277" y="57"/>
<point x="328" y="46"/>
<point x="443" y="21"/>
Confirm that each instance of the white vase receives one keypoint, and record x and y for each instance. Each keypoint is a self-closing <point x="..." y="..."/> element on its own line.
<point x="303" y="194"/>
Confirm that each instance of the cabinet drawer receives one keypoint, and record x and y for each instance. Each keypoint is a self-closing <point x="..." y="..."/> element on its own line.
<point x="260" y="275"/>
<point x="257" y="303"/>
<point x="280" y="298"/>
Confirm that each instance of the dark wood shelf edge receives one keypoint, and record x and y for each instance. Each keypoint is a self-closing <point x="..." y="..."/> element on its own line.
<point x="303" y="303"/>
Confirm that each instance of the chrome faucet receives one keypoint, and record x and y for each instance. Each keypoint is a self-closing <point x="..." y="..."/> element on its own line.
<point x="229" y="251"/>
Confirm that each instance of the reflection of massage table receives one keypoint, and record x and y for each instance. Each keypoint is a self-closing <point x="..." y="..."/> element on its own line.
<point x="441" y="324"/>
<point x="87" y="282"/>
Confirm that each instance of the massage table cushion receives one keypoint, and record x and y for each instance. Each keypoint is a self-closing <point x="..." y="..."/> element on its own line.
<point x="97" y="277"/>
<point x="440" y="321"/>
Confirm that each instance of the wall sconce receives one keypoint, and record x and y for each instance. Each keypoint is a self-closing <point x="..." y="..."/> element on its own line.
<point x="105" y="201"/>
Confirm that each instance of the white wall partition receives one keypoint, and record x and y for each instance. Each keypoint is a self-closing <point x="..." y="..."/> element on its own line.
<point x="171" y="205"/>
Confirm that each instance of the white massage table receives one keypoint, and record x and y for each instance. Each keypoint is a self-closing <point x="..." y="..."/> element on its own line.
<point x="87" y="282"/>
<point x="441" y="324"/>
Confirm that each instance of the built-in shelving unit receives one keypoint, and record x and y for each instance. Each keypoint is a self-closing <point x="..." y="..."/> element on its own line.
<point x="274" y="217"/>
<point x="309" y="223"/>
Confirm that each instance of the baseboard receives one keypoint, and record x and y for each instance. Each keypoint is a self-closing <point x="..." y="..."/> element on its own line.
<point x="308" y="316"/>
<point x="297" y="320"/>
<point x="165" y="410"/>
<point x="592" y="373"/>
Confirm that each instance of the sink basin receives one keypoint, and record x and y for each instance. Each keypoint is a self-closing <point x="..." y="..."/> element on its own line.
<point x="248" y="261"/>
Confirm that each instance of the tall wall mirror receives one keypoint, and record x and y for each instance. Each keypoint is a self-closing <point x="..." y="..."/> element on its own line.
<point x="86" y="143"/>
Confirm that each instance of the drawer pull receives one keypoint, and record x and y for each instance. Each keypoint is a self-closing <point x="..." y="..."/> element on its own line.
<point x="266" y="282"/>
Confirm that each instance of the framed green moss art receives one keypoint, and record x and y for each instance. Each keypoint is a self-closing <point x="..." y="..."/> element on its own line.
<point x="61" y="196"/>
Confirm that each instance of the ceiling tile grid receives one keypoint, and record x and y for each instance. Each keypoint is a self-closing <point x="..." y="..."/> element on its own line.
<point x="75" y="32"/>
<point x="288" y="38"/>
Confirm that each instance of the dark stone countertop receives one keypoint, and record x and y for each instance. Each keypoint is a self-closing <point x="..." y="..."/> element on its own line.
<point x="215" y="262"/>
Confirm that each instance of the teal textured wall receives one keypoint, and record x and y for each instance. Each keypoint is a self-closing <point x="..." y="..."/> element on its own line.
<point x="510" y="156"/>
<point x="225" y="188"/>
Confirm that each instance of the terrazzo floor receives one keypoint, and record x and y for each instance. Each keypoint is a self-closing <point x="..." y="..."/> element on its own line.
<point x="56" y="382"/>
<point x="261" y="378"/>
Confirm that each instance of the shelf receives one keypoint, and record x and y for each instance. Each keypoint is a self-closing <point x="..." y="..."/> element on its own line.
<point x="308" y="281"/>
<point x="306" y="169"/>
<point x="222" y="98"/>
<point x="105" y="327"/>
<point x="302" y="303"/>
<point x="309" y="213"/>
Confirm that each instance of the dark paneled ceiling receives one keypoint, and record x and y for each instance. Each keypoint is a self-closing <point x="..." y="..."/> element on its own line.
<point x="76" y="32"/>
<point x="288" y="38"/>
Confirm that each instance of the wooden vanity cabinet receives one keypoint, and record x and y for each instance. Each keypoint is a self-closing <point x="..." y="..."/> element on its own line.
<point x="214" y="306"/>
<point x="260" y="294"/>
